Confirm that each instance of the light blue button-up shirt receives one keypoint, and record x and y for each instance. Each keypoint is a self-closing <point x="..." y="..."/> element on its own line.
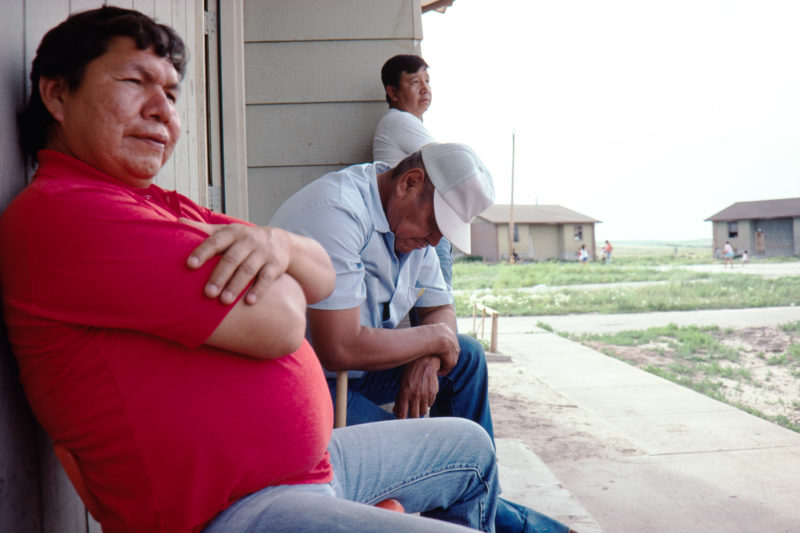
<point x="343" y="211"/>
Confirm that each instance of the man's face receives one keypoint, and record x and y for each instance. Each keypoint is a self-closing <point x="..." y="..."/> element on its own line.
<point x="122" y="118"/>
<point x="413" y="222"/>
<point x="413" y="92"/>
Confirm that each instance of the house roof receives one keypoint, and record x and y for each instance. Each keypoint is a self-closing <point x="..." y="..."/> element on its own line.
<point x="535" y="214"/>
<point x="782" y="208"/>
<point x="438" y="5"/>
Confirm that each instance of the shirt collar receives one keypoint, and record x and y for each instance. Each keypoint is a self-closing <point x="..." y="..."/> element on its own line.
<point x="376" y="207"/>
<point x="66" y="165"/>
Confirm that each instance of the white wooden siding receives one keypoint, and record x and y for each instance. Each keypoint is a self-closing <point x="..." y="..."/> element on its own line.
<point x="311" y="139"/>
<point x="264" y="182"/>
<point x="296" y="72"/>
<point x="316" y="20"/>
<point x="313" y="89"/>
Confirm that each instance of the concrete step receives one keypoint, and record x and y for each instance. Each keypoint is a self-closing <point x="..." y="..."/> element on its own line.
<point x="527" y="480"/>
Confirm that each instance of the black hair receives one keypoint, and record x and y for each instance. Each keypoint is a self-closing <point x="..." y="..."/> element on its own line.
<point x="395" y="66"/>
<point x="66" y="49"/>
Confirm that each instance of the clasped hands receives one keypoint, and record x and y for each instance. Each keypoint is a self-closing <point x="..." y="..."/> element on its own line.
<point x="419" y="384"/>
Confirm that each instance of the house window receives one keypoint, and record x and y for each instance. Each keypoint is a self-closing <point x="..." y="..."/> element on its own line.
<point x="733" y="230"/>
<point x="578" y="233"/>
<point x="516" y="233"/>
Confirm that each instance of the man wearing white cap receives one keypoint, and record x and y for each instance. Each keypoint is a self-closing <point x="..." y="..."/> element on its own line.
<point x="379" y="225"/>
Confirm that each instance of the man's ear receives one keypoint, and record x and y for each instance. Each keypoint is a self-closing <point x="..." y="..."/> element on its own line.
<point x="411" y="181"/>
<point x="52" y="91"/>
<point x="391" y="92"/>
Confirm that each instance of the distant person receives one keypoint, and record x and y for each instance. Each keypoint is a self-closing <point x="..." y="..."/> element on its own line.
<point x="727" y="255"/>
<point x="745" y="258"/>
<point x="607" y="252"/>
<point x="400" y="131"/>
<point x="583" y="255"/>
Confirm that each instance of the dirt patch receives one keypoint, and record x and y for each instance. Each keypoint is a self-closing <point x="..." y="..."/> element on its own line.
<point x="761" y="373"/>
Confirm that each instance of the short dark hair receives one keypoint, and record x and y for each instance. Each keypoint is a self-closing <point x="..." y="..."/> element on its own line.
<point x="413" y="160"/>
<point x="66" y="49"/>
<point x="395" y="66"/>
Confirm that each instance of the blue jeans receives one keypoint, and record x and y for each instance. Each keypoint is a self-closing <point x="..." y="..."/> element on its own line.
<point x="443" y="469"/>
<point x="516" y="518"/>
<point x="463" y="392"/>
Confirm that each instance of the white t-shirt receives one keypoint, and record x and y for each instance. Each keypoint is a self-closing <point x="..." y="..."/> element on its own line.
<point x="398" y="134"/>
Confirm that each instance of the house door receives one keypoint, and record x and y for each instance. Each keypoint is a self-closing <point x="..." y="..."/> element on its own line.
<point x="227" y="153"/>
<point x="777" y="236"/>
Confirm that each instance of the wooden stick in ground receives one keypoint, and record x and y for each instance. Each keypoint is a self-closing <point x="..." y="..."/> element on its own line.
<point x="340" y="411"/>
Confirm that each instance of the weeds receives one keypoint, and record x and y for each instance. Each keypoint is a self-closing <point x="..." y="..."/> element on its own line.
<point x="693" y="343"/>
<point x="484" y="343"/>
<point x="793" y="351"/>
<point x="778" y="360"/>
<point x="791" y="327"/>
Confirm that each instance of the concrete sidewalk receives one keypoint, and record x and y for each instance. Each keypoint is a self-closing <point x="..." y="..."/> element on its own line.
<point x="596" y="323"/>
<point x="631" y="452"/>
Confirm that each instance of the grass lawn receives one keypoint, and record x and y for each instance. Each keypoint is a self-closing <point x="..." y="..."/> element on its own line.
<point x="720" y="291"/>
<point x="562" y="287"/>
<point x="472" y="276"/>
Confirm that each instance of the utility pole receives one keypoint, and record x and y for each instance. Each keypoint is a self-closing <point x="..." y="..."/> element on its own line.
<point x="511" y="208"/>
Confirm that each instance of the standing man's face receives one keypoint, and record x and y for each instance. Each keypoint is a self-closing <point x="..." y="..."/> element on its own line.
<point x="122" y="118"/>
<point x="413" y="92"/>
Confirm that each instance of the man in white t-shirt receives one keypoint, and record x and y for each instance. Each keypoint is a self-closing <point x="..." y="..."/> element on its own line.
<point x="400" y="132"/>
<point x="408" y="93"/>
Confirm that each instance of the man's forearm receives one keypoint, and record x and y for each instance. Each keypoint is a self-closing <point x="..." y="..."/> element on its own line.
<point x="343" y="344"/>
<point x="443" y="314"/>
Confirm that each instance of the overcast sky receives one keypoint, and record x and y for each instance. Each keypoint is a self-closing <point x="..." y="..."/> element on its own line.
<point x="648" y="115"/>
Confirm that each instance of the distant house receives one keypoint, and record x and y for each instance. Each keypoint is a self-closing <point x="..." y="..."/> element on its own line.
<point x="540" y="232"/>
<point x="765" y="227"/>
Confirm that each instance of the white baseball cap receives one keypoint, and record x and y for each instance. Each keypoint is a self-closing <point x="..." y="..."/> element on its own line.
<point x="463" y="189"/>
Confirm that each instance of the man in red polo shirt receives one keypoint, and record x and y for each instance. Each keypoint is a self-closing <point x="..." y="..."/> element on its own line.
<point x="188" y="395"/>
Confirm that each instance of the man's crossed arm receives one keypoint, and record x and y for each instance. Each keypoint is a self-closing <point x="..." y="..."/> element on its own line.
<point x="287" y="270"/>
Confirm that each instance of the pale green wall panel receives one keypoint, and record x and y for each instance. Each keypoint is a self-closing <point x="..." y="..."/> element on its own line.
<point x="314" y="20"/>
<point x="269" y="187"/>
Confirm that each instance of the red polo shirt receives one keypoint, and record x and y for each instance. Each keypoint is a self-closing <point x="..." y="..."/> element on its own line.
<point x="108" y="327"/>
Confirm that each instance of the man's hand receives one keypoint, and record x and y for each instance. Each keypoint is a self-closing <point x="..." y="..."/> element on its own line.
<point x="448" y="353"/>
<point x="418" y="388"/>
<point x="248" y="253"/>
